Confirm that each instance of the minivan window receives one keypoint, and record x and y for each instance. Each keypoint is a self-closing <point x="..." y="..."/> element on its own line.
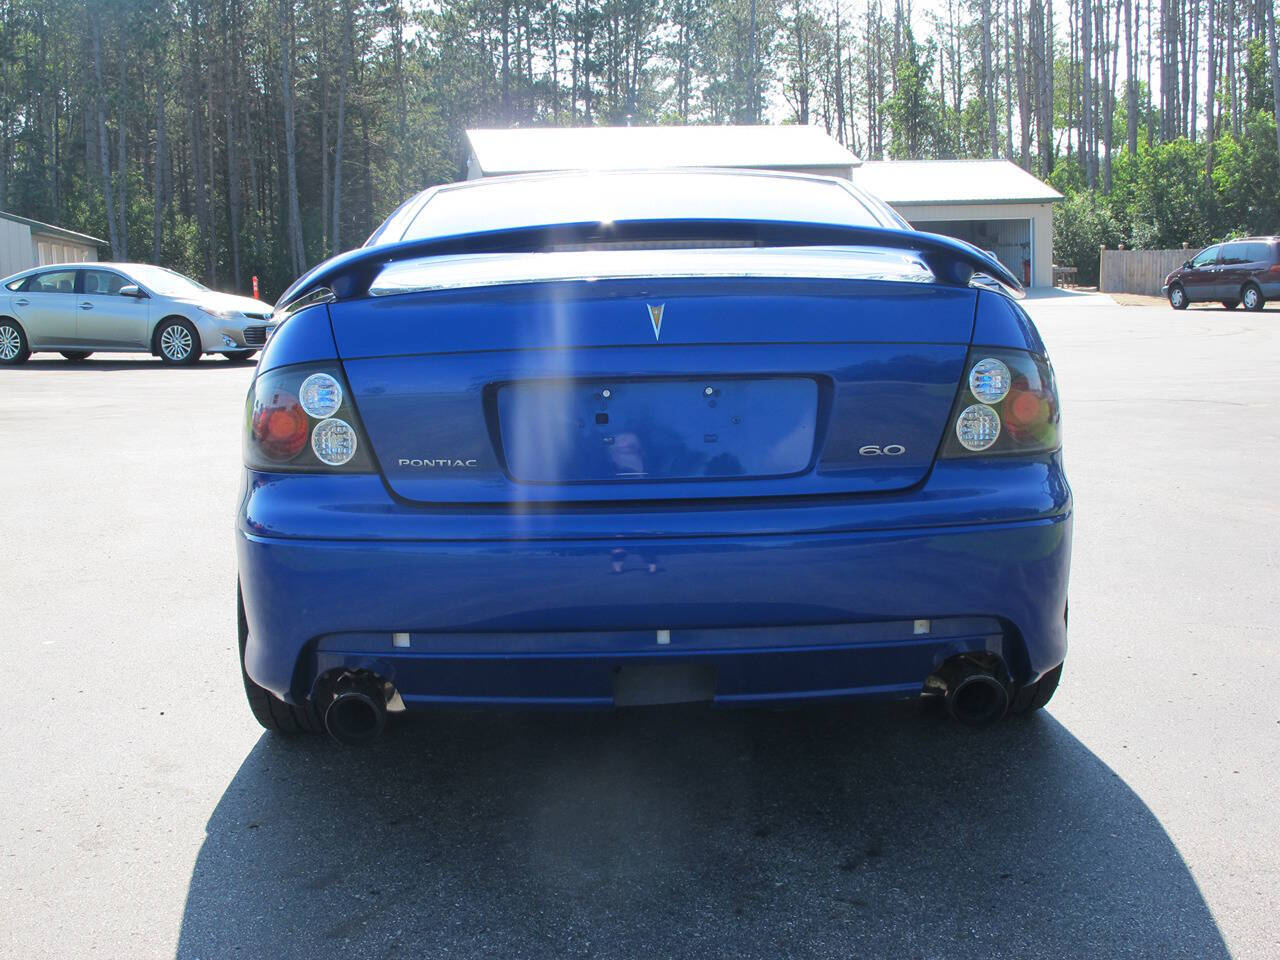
<point x="1258" y="251"/>
<point x="1205" y="257"/>
<point x="59" y="281"/>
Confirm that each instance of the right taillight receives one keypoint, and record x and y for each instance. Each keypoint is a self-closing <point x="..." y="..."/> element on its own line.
<point x="1007" y="404"/>
<point x="301" y="419"/>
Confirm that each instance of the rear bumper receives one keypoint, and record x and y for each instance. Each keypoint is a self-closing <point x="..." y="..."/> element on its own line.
<point x="827" y="612"/>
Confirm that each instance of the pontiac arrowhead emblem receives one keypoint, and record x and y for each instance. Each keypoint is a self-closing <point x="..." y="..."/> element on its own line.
<point x="655" y="317"/>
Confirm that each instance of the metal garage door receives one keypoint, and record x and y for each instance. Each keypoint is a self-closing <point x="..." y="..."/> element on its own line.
<point x="1009" y="240"/>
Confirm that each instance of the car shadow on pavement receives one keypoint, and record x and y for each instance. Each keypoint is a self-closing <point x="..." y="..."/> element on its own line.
<point x="882" y="831"/>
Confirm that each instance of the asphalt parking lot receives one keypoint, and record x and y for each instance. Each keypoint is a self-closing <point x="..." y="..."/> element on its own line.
<point x="143" y="813"/>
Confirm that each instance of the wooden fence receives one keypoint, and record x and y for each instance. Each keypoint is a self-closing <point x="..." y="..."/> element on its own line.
<point x="1138" y="271"/>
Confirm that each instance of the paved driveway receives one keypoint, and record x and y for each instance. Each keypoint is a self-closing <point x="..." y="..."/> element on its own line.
<point x="143" y="813"/>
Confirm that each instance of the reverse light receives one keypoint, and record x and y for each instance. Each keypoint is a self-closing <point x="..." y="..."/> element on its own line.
<point x="300" y="419"/>
<point x="989" y="380"/>
<point x="334" y="442"/>
<point x="977" y="427"/>
<point x="321" y="395"/>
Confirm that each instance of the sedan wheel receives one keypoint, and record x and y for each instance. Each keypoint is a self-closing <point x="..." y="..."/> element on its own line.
<point x="177" y="341"/>
<point x="13" y="343"/>
<point x="1252" y="298"/>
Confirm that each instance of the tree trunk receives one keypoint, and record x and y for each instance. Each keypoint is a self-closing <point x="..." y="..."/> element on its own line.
<point x="158" y="195"/>
<point x="1087" y="128"/>
<point x="1275" y="76"/>
<point x="347" y="41"/>
<point x="1131" y="78"/>
<point x="296" y="254"/>
<point x="95" y="24"/>
<point x="988" y="81"/>
<point x="233" y="167"/>
<point x="122" y="164"/>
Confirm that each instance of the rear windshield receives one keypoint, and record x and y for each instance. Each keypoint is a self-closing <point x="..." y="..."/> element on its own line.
<point x="511" y="203"/>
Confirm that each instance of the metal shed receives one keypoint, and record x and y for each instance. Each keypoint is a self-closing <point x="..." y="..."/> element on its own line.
<point x="993" y="204"/>
<point x="29" y="243"/>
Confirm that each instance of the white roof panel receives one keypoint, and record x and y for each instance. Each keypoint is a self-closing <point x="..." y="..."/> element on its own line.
<point x="906" y="182"/>
<point x="536" y="149"/>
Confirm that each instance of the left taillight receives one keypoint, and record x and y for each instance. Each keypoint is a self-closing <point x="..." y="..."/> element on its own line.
<point x="1007" y="405"/>
<point x="300" y="419"/>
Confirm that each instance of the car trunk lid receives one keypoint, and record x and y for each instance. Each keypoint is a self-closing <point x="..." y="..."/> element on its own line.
<point x="645" y="388"/>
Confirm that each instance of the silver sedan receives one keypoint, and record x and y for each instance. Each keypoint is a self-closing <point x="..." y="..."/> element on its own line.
<point x="76" y="309"/>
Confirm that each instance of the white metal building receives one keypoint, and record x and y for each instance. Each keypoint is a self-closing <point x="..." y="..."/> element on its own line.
<point x="993" y="204"/>
<point x="29" y="243"/>
<point x="536" y="149"/>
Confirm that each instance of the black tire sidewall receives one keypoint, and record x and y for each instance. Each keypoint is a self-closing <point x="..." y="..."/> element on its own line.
<point x="1258" y="304"/>
<point x="187" y="325"/>
<point x="270" y="711"/>
<point x="24" y="346"/>
<point x="1182" y="290"/>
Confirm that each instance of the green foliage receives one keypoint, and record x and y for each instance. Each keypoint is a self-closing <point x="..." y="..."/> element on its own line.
<point x="1162" y="199"/>
<point x="1081" y="224"/>
<point x="1244" y="179"/>
<point x="913" y="109"/>
<point x="1257" y="76"/>
<point x="1173" y="204"/>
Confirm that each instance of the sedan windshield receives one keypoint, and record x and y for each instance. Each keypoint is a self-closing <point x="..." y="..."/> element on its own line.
<point x="166" y="282"/>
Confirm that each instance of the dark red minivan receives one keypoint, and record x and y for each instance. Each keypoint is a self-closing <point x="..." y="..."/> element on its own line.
<point x="1239" y="271"/>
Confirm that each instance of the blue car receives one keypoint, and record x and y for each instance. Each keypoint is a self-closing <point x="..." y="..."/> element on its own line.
<point x="607" y="439"/>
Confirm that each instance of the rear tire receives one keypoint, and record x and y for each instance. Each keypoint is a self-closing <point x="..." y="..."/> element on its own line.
<point x="1034" y="696"/>
<point x="75" y="356"/>
<point x="176" y="342"/>
<point x="1252" y="298"/>
<point x="14" y="348"/>
<point x="268" y="709"/>
<point x="1177" y="297"/>
<point x="1230" y="304"/>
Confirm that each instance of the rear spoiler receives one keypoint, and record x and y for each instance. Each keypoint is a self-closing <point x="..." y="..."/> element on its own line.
<point x="349" y="275"/>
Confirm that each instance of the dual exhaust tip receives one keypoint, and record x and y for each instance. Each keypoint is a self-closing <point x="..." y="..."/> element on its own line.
<point x="357" y="710"/>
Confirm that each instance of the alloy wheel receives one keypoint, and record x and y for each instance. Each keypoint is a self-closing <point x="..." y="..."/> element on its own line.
<point x="175" y="343"/>
<point x="10" y="342"/>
